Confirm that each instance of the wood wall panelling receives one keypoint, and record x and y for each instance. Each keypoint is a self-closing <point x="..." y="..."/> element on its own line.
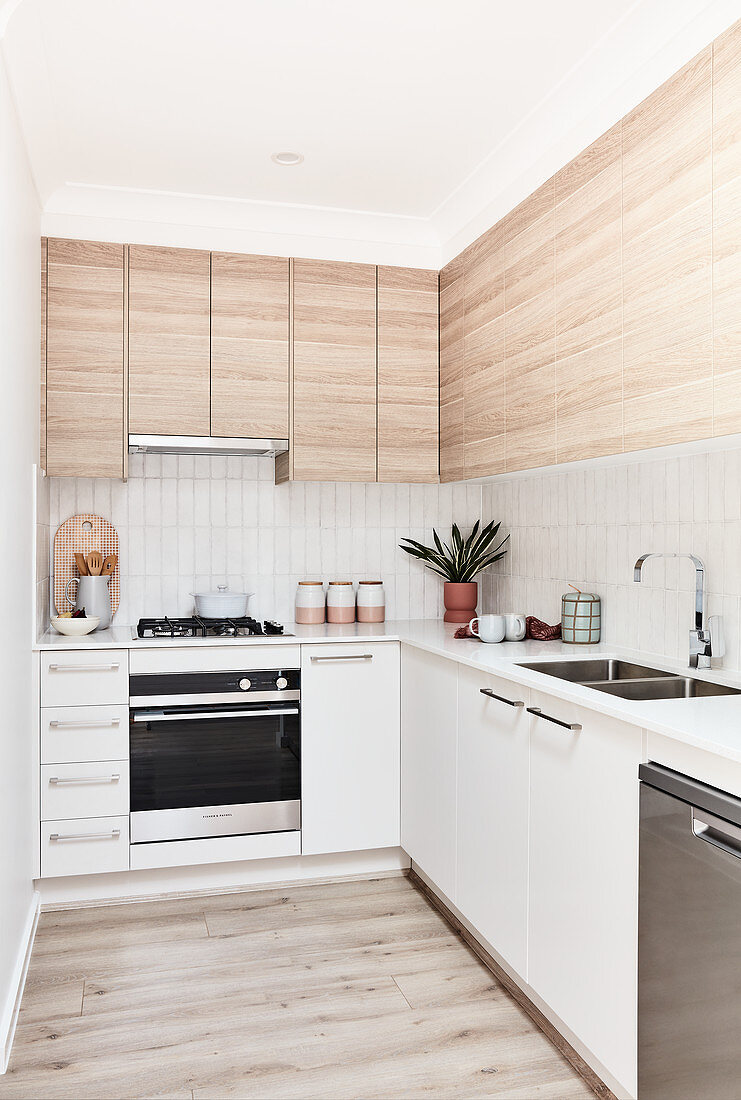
<point x="408" y="375"/>
<point x="169" y="353"/>
<point x="334" y="371"/>
<point x="727" y="231"/>
<point x="483" y="325"/>
<point x="85" y="359"/>
<point x="249" y="346"/>
<point x="42" y="394"/>
<point x="452" y="462"/>
<point x="589" y="303"/>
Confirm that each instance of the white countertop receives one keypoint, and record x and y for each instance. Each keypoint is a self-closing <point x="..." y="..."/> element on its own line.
<point x="713" y="724"/>
<point x="124" y="637"/>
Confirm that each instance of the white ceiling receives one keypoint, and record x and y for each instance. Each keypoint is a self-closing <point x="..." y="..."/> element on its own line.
<point x="400" y="107"/>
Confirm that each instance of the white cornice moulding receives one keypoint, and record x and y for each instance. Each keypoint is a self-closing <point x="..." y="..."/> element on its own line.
<point x="655" y="38"/>
<point x="198" y="221"/>
<point x="7" y="9"/>
<point x="539" y="148"/>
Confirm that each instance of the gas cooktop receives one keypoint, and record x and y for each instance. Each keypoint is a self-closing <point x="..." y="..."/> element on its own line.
<point x="195" y="627"/>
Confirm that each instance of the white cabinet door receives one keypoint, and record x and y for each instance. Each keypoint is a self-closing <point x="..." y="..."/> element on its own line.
<point x="493" y="780"/>
<point x="350" y="747"/>
<point x="429" y="716"/>
<point x="583" y="923"/>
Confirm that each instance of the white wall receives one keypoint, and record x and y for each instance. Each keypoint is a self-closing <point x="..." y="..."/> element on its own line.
<point x="19" y="371"/>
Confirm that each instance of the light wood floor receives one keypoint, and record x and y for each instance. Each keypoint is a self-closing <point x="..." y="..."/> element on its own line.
<point x="345" y="990"/>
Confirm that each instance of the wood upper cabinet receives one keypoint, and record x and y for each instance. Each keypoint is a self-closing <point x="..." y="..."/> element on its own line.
<point x="334" y="371"/>
<point x="249" y="345"/>
<point x="408" y="375"/>
<point x="452" y="463"/>
<point x="85" y="407"/>
<point x="169" y="352"/>
<point x="42" y="394"/>
<point x="483" y="356"/>
<point x="530" y="332"/>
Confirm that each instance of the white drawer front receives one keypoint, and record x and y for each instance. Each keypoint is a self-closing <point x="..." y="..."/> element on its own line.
<point x="84" y="733"/>
<point x="84" y="678"/>
<point x="84" y="846"/>
<point x="229" y="658"/>
<point x="98" y="789"/>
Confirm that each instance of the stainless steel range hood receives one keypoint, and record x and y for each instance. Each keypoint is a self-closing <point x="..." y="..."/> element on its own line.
<point x="205" y="445"/>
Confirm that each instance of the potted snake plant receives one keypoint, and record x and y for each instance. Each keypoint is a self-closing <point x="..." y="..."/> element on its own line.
<point x="458" y="564"/>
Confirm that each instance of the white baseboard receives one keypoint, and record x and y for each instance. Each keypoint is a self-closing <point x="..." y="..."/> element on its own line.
<point x="11" y="1008"/>
<point x="147" y="885"/>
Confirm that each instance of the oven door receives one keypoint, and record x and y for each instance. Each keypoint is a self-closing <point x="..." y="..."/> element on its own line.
<point x="207" y="771"/>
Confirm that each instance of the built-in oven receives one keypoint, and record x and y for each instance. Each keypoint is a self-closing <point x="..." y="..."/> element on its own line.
<point x="214" y="754"/>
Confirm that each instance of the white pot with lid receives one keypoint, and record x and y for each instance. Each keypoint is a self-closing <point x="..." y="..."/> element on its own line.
<point x="221" y="604"/>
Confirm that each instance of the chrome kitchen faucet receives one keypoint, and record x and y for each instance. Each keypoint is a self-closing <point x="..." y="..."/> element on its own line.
<point x="705" y="642"/>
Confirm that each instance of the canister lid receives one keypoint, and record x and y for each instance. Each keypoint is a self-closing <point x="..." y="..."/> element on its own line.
<point x="370" y="582"/>
<point x="576" y="596"/>
<point x="340" y="582"/>
<point x="311" y="582"/>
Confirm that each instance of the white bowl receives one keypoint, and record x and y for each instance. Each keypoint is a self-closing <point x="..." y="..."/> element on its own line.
<point x="75" y="628"/>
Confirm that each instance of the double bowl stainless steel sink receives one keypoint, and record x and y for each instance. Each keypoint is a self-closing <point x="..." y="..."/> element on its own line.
<point x="628" y="680"/>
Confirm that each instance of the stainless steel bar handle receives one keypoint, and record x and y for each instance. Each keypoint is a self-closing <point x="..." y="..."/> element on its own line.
<point x="60" y="780"/>
<point x="574" y="726"/>
<point x="57" y="725"/>
<point x="346" y="657"/>
<point x="142" y="717"/>
<point x="501" y="698"/>
<point x="714" y="830"/>
<point x="85" y="668"/>
<point x="112" y="835"/>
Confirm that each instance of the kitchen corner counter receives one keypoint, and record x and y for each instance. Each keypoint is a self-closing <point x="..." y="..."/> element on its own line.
<point x="712" y="724"/>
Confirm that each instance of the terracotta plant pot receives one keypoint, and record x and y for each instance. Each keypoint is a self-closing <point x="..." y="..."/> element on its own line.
<point x="460" y="599"/>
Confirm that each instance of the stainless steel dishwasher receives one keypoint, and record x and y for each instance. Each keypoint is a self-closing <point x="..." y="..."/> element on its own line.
<point x="689" y="939"/>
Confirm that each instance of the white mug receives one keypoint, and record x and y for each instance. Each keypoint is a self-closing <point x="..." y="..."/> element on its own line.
<point x="490" y="628"/>
<point x="514" y="627"/>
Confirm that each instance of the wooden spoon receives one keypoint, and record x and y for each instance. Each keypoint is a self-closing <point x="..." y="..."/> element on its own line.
<point x="94" y="563"/>
<point x="81" y="564"/>
<point x="109" y="565"/>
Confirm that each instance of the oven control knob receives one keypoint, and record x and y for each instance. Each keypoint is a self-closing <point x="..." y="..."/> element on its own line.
<point x="281" y="683"/>
<point x="245" y="684"/>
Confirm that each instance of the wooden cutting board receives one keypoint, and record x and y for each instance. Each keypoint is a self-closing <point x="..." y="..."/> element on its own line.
<point x="82" y="534"/>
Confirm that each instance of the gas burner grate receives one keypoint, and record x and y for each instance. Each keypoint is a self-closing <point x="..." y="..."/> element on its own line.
<point x="196" y="627"/>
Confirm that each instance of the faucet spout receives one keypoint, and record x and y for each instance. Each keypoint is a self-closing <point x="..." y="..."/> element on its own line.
<point x="700" y="641"/>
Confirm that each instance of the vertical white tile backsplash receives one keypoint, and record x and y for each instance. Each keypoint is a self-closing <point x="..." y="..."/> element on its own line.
<point x="188" y="522"/>
<point x="587" y="526"/>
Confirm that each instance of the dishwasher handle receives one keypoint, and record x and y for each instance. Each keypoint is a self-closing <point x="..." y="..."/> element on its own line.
<point x="714" y="830"/>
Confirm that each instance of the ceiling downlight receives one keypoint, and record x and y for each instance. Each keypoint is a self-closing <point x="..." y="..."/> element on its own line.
<point x="287" y="160"/>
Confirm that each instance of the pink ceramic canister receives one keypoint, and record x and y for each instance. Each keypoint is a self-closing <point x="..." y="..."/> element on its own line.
<point x="340" y="602"/>
<point x="371" y="602"/>
<point x="310" y="603"/>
